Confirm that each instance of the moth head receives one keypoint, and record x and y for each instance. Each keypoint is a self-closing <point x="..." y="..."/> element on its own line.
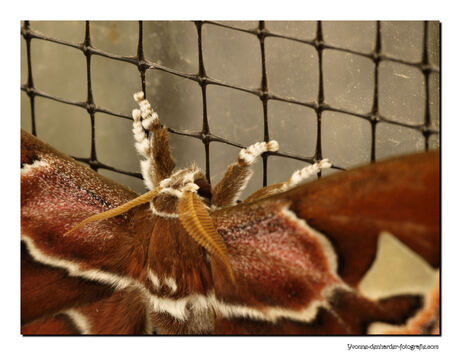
<point x="189" y="179"/>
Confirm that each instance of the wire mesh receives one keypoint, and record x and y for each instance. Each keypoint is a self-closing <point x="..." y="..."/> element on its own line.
<point x="206" y="135"/>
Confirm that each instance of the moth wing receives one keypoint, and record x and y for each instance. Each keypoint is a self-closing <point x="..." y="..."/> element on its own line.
<point x="123" y="312"/>
<point x="60" y="272"/>
<point x="299" y="257"/>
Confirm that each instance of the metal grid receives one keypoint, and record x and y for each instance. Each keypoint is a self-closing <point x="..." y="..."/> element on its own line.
<point x="319" y="105"/>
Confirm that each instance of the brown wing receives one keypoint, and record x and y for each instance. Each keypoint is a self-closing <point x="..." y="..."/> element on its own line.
<point x="299" y="257"/>
<point x="59" y="273"/>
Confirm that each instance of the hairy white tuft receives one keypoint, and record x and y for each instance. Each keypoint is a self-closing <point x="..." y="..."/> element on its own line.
<point x="146" y="166"/>
<point x="139" y="96"/>
<point x="150" y="122"/>
<point x="324" y="164"/>
<point x="27" y="168"/>
<point x="249" y="155"/>
<point x="273" y="146"/>
<point x="136" y="114"/>
<point x="143" y="148"/>
<point x="171" y="283"/>
<point x="154" y="279"/>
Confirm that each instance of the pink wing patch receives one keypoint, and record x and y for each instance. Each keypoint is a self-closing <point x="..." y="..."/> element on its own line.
<point x="278" y="260"/>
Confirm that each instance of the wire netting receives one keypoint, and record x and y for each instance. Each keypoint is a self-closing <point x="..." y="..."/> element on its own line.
<point x="320" y="105"/>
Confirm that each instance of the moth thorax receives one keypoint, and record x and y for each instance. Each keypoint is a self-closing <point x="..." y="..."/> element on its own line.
<point x="165" y="203"/>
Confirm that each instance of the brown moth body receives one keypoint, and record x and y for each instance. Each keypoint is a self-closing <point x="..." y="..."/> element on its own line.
<point x="185" y="258"/>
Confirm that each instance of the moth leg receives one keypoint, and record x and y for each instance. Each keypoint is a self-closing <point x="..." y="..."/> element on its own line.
<point x="158" y="162"/>
<point x="296" y="178"/>
<point x="300" y="175"/>
<point x="236" y="178"/>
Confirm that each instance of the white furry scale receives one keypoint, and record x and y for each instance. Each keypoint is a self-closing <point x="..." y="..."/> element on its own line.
<point x="303" y="174"/>
<point x="250" y="154"/>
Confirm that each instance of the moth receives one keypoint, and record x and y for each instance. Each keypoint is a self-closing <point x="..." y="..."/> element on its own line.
<point x="185" y="258"/>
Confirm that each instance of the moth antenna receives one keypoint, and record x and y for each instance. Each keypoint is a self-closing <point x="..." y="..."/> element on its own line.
<point x="236" y="178"/>
<point x="198" y="224"/>
<point x="117" y="210"/>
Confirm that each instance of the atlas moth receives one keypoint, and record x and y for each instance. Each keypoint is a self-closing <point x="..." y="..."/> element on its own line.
<point x="185" y="258"/>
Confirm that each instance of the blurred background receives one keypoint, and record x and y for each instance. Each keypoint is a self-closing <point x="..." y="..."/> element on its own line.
<point x="348" y="91"/>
